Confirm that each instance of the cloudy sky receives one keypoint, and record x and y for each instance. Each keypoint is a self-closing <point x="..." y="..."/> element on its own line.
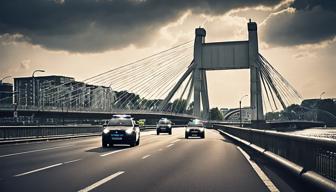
<point x="81" y="38"/>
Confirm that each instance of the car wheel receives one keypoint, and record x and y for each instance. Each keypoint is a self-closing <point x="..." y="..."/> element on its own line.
<point x="186" y="136"/>
<point x="170" y="132"/>
<point x="138" y="142"/>
<point x="157" y="133"/>
<point x="104" y="144"/>
<point x="203" y="135"/>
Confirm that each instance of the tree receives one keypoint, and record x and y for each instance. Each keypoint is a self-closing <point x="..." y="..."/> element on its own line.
<point x="215" y="114"/>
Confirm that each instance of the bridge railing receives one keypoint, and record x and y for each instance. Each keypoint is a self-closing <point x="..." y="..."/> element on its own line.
<point x="22" y="132"/>
<point x="313" y="154"/>
<point x="90" y="110"/>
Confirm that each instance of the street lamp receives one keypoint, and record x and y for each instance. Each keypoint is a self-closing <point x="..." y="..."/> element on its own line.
<point x="321" y="95"/>
<point x="38" y="70"/>
<point x="240" y="110"/>
<point x="6" y="77"/>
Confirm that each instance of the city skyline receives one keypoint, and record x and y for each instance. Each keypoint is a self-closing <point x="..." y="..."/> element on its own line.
<point x="303" y="53"/>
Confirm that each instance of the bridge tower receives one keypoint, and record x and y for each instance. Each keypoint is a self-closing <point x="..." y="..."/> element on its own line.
<point x="199" y="77"/>
<point x="224" y="56"/>
<point x="255" y="83"/>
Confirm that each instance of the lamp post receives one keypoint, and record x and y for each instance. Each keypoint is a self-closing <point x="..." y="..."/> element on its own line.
<point x="38" y="70"/>
<point x="321" y="95"/>
<point x="240" y="110"/>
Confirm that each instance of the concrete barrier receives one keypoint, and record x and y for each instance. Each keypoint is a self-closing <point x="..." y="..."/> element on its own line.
<point x="311" y="159"/>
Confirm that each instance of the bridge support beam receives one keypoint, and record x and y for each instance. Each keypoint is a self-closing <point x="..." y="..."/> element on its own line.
<point x="199" y="77"/>
<point x="257" y="116"/>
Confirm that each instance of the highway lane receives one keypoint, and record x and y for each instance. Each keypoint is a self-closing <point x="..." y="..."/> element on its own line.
<point x="160" y="163"/>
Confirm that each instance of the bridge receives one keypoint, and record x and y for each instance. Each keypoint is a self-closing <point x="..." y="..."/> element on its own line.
<point x="173" y="84"/>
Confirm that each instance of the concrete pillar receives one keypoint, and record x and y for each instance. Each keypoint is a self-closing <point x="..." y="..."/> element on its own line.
<point x="204" y="95"/>
<point x="255" y="86"/>
<point x="197" y="73"/>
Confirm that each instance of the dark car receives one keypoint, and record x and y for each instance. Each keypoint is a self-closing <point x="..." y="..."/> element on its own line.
<point x="164" y="126"/>
<point x="195" y="128"/>
<point x="121" y="130"/>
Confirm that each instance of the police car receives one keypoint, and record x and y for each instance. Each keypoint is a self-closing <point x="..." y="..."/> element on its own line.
<point x="121" y="129"/>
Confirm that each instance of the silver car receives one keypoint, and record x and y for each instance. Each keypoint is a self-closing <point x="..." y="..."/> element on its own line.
<point x="195" y="128"/>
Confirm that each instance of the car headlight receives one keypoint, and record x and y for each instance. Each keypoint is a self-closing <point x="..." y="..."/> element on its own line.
<point x="188" y="129"/>
<point x="129" y="131"/>
<point x="202" y="129"/>
<point x="169" y="126"/>
<point x="106" y="130"/>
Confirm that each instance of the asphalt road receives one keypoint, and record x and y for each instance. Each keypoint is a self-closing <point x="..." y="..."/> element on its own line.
<point x="159" y="163"/>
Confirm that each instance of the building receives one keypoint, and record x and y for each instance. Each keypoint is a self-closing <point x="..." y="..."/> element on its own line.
<point x="40" y="91"/>
<point x="62" y="92"/>
<point x="6" y="93"/>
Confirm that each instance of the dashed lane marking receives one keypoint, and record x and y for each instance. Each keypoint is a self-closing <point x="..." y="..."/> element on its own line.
<point x="110" y="153"/>
<point x="146" y="156"/>
<point x="101" y="182"/>
<point x="170" y="145"/>
<point x="33" y="151"/>
<point x="47" y="167"/>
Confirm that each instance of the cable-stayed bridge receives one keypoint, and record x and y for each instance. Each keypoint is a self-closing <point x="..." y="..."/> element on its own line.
<point x="172" y="82"/>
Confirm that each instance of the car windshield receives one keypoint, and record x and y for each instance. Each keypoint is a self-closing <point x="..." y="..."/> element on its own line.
<point x="195" y="123"/>
<point x="120" y="122"/>
<point x="164" y="122"/>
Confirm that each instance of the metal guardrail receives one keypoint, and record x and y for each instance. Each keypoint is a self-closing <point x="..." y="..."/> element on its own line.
<point x="316" y="155"/>
<point x="28" y="132"/>
<point x="17" y="132"/>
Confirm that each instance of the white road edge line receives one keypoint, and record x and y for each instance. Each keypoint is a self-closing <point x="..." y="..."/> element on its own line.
<point x="269" y="184"/>
<point x="176" y="141"/>
<point x="170" y="145"/>
<point x="98" y="183"/>
<point x="37" y="150"/>
<point x="106" y="154"/>
<point x="146" y="156"/>
<point x="47" y="167"/>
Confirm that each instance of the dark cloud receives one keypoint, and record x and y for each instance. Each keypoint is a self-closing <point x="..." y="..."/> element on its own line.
<point x="99" y="25"/>
<point x="312" y="22"/>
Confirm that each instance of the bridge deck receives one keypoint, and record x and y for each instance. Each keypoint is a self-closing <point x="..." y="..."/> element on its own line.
<point x="160" y="163"/>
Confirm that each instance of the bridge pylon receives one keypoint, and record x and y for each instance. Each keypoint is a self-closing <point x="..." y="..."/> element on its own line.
<point x="223" y="56"/>
<point x="199" y="77"/>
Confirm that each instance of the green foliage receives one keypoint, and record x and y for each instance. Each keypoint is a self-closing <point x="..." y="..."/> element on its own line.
<point x="215" y="114"/>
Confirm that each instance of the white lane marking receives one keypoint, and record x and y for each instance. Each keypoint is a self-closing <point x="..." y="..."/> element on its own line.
<point x="269" y="184"/>
<point x="33" y="151"/>
<point x="44" y="168"/>
<point x="170" y="145"/>
<point x="37" y="170"/>
<point x="117" y="151"/>
<point x="144" y="157"/>
<point x="98" y="183"/>
<point x="176" y="141"/>
<point x="72" y="161"/>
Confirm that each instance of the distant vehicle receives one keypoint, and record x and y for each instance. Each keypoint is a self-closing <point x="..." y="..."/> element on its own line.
<point x="164" y="126"/>
<point x="195" y="128"/>
<point x="121" y="130"/>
